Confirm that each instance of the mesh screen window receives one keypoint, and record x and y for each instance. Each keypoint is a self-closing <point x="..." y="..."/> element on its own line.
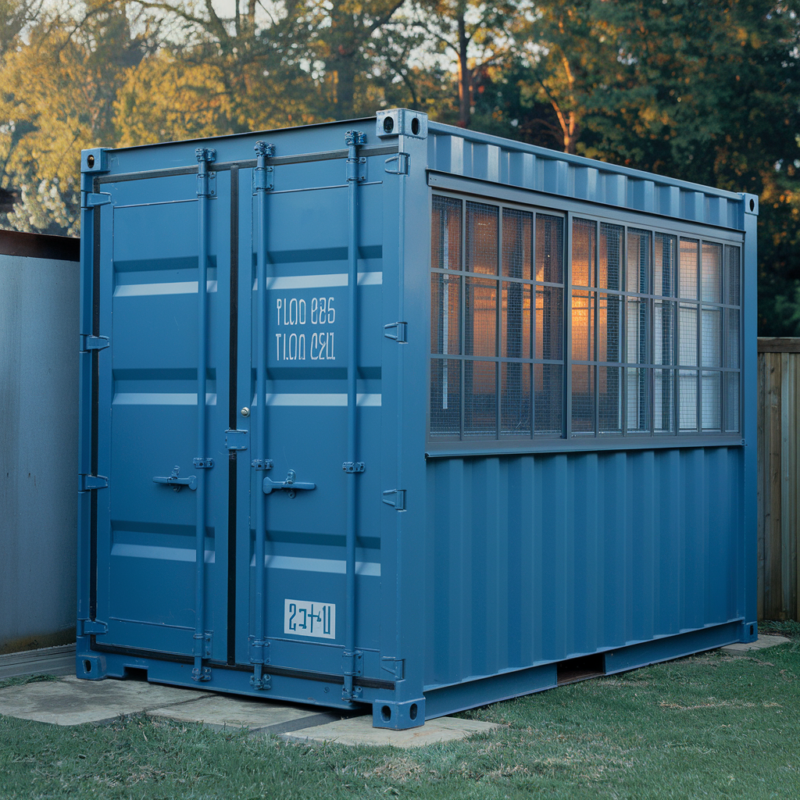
<point x="649" y="344"/>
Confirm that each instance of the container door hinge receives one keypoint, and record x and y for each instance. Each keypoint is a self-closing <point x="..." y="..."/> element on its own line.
<point x="354" y="466"/>
<point x="89" y="342"/>
<point x="395" y="498"/>
<point x="89" y="483"/>
<point x="402" y="164"/>
<point x="94" y="199"/>
<point x="237" y="440"/>
<point x="92" y="627"/>
<point x="397" y="332"/>
<point x="395" y="666"/>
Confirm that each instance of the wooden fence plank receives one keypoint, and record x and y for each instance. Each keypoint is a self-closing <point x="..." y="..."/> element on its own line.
<point x="778" y="478"/>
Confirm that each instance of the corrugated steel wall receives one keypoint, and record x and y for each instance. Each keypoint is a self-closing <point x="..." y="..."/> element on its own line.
<point x="38" y="440"/>
<point x="543" y="557"/>
<point x="778" y="478"/>
<point x="479" y="156"/>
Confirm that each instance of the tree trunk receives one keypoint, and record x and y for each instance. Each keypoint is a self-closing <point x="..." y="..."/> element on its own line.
<point x="464" y="76"/>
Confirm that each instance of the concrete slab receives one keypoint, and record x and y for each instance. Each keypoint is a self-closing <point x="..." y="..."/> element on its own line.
<point x="74" y="702"/>
<point x="764" y="640"/>
<point x="258" y="716"/>
<point x="359" y="730"/>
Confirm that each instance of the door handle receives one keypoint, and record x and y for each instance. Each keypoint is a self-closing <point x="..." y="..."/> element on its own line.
<point x="290" y="484"/>
<point x="177" y="483"/>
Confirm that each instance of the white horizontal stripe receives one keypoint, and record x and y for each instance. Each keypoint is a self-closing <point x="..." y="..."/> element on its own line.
<point x="142" y="289"/>
<point x="369" y="568"/>
<point x="161" y="399"/>
<point x="328" y="400"/>
<point x="320" y="281"/>
<point x="161" y="553"/>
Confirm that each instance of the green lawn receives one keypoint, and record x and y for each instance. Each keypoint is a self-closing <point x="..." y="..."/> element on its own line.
<point x="707" y="726"/>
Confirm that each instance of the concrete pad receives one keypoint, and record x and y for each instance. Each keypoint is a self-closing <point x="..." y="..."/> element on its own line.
<point x="75" y="702"/>
<point x="258" y="716"/>
<point x="359" y="730"/>
<point x="764" y="640"/>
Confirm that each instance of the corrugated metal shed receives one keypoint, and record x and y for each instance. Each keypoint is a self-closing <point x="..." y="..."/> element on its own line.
<point x="39" y="280"/>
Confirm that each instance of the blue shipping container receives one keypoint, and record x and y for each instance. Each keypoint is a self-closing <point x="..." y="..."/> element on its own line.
<point x="392" y="413"/>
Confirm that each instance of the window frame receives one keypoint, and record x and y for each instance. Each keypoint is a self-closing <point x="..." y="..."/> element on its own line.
<point x="569" y="210"/>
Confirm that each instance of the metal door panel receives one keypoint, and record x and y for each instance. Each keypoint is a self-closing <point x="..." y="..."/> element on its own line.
<point x="308" y="317"/>
<point x="148" y="417"/>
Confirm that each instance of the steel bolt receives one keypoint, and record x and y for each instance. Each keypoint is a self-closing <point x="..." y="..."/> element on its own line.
<point x="245" y="412"/>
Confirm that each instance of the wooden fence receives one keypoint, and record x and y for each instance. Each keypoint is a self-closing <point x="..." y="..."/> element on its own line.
<point x="778" y="478"/>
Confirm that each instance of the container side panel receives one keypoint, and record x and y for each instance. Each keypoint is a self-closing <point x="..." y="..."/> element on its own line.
<point x="548" y="557"/>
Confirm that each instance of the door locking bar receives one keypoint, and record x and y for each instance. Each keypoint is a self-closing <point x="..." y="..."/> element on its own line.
<point x="177" y="483"/>
<point x="290" y="484"/>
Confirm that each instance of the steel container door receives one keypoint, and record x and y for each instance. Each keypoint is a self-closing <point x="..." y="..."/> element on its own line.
<point x="309" y="387"/>
<point x="163" y="289"/>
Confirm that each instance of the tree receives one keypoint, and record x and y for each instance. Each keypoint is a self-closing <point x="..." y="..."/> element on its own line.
<point x="59" y="86"/>
<point x="473" y="33"/>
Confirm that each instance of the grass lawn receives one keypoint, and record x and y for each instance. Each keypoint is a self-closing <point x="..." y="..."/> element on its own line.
<point x="706" y="726"/>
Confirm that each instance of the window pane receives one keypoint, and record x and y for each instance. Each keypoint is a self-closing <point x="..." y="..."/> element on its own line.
<point x="712" y="273"/>
<point x="664" y="277"/>
<point x="515" y="399"/>
<point x="663" y="332"/>
<point x="445" y="313"/>
<point x="549" y="249"/>
<point x="480" y="396"/>
<point x="548" y="403"/>
<point x="549" y="322"/>
<point x="583" y="326"/>
<point x="731" y="401"/>
<point x="638" y="261"/>
<point x="711" y="401"/>
<point x="584" y="251"/>
<point x="637" y="332"/>
<point x="609" y="328"/>
<point x="610" y="399"/>
<point x="688" y="269"/>
<point x="687" y="336"/>
<point x="711" y="344"/>
<point x="664" y="400"/>
<point x="516" y="322"/>
<point x="732" y="275"/>
<point x="638" y="402"/>
<point x="517" y="243"/>
<point x="732" y="338"/>
<point x="446" y="233"/>
<point x="610" y="256"/>
<point x="480" y="323"/>
<point x="687" y="399"/>
<point x="482" y="238"/>
<point x="445" y="397"/>
<point x="583" y="399"/>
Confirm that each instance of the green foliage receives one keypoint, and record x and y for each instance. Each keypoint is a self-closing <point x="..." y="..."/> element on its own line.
<point x="707" y="726"/>
<point x="705" y="90"/>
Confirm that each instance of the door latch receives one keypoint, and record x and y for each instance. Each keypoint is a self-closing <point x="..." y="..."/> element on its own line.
<point x="290" y="484"/>
<point x="176" y="482"/>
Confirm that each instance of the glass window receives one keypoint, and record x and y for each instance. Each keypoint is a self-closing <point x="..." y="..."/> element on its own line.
<point x="653" y="322"/>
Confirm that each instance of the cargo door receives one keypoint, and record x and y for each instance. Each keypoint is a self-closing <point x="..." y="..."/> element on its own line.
<point x="315" y="425"/>
<point x="162" y="414"/>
